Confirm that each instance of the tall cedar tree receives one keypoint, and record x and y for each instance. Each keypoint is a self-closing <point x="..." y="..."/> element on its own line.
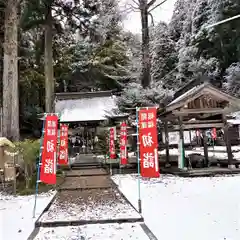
<point x="146" y="7"/>
<point x="10" y="71"/>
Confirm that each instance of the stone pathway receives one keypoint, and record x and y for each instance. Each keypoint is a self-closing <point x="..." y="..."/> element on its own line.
<point x="88" y="196"/>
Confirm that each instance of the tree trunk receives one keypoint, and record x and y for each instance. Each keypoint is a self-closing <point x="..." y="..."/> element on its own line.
<point x="146" y="62"/>
<point x="48" y="61"/>
<point x="10" y="72"/>
<point x="1" y="46"/>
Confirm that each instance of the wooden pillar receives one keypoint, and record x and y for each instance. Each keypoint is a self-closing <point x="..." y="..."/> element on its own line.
<point x="181" y="138"/>
<point x="228" y="142"/>
<point x="2" y="157"/>
<point x="190" y="137"/>
<point x="205" y="149"/>
<point x="167" y="164"/>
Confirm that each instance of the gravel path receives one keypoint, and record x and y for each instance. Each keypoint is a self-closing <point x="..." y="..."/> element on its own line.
<point x="95" y="204"/>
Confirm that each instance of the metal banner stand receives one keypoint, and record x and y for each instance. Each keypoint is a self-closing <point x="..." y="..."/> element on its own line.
<point x="120" y="172"/>
<point x="120" y="167"/>
<point x="38" y="166"/>
<point x="138" y="162"/>
<point x="110" y="160"/>
<point x="40" y="162"/>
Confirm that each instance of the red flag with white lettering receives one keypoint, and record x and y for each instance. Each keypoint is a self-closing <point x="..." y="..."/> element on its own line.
<point x="148" y="143"/>
<point x="214" y="133"/>
<point x="49" y="151"/>
<point x="197" y="133"/>
<point x="111" y="143"/>
<point x="123" y="144"/>
<point x="63" y="148"/>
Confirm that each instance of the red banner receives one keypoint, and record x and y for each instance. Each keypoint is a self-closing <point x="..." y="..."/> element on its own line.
<point x="123" y="144"/>
<point x="63" y="148"/>
<point x="148" y="143"/>
<point x="49" y="151"/>
<point x="112" y="144"/>
<point x="197" y="133"/>
<point x="214" y="133"/>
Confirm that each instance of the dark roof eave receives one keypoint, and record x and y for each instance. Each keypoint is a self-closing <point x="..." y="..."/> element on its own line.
<point x="78" y="95"/>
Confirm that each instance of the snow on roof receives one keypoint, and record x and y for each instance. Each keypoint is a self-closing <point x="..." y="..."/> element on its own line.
<point x="187" y="94"/>
<point x="86" y="109"/>
<point x="234" y="121"/>
<point x="236" y="115"/>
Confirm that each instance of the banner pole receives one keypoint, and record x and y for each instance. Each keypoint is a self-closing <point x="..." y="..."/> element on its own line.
<point x="213" y="147"/>
<point x="38" y="167"/>
<point x="58" y="146"/>
<point x="120" y="156"/>
<point x="138" y="163"/>
<point x="57" y="166"/>
<point x="120" y="172"/>
<point x="110" y="153"/>
<point x="213" y="139"/>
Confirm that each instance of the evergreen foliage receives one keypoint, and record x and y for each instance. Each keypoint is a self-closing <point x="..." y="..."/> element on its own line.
<point x="92" y="51"/>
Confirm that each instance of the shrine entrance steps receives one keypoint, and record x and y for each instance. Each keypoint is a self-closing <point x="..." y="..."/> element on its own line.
<point x="88" y="196"/>
<point x="86" y="161"/>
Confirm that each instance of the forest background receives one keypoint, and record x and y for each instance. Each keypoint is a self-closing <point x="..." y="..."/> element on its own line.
<point x="49" y="46"/>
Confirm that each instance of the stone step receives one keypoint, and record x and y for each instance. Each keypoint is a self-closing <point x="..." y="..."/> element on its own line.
<point x="86" y="172"/>
<point x="83" y="182"/>
<point x="79" y="167"/>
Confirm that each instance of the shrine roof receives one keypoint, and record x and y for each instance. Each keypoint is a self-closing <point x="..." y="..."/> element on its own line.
<point x="196" y="91"/>
<point x="188" y="94"/>
<point x="82" y="107"/>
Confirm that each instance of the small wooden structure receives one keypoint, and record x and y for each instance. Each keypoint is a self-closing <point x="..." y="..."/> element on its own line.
<point x="201" y="107"/>
<point x="7" y="163"/>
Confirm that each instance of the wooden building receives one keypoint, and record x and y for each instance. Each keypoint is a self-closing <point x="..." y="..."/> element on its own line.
<point x="202" y="106"/>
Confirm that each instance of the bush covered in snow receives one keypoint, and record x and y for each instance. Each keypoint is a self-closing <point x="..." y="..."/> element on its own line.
<point x="134" y="95"/>
<point x="232" y="77"/>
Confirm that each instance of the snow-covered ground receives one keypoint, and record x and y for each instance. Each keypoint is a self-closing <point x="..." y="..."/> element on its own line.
<point x="16" y="215"/>
<point x="177" y="208"/>
<point x="218" y="148"/>
<point x="125" y="231"/>
<point x="216" y="153"/>
<point x="174" y="208"/>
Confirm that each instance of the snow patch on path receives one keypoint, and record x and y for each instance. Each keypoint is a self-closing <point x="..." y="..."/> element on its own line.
<point x="115" y="231"/>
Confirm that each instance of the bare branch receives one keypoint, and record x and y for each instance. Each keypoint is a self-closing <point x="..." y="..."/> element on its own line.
<point x="130" y="7"/>
<point x="152" y="20"/>
<point x="134" y="8"/>
<point x="128" y="10"/>
<point x="136" y="3"/>
<point x="159" y="4"/>
<point x="151" y="3"/>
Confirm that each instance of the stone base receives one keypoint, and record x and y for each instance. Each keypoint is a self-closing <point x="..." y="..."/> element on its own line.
<point x="232" y="166"/>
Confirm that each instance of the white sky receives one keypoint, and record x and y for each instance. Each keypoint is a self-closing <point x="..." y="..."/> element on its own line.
<point x="162" y="13"/>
